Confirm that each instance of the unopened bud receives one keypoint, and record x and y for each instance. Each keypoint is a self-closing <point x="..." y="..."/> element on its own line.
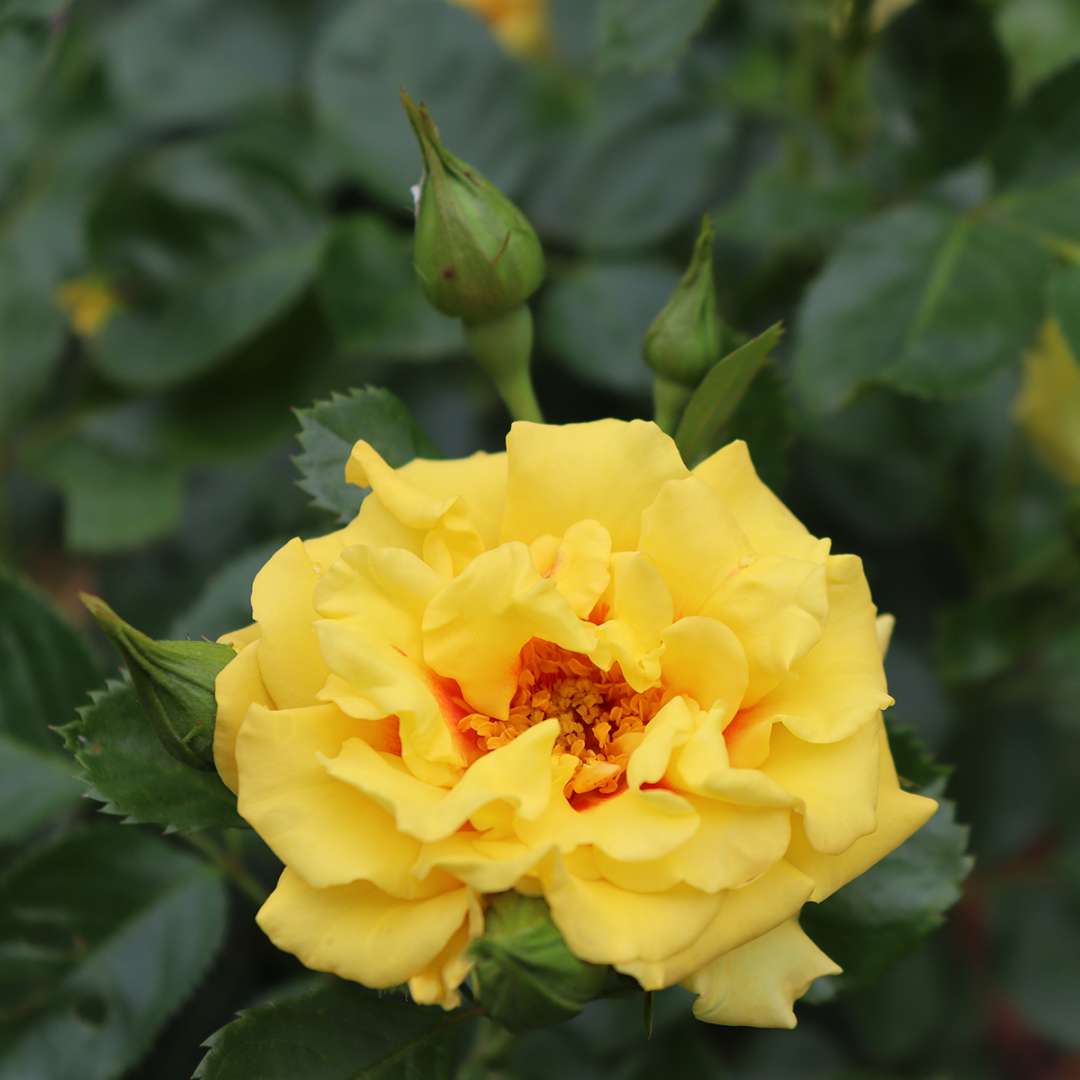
<point x="174" y="681"/>
<point x="687" y="337"/>
<point x="475" y="252"/>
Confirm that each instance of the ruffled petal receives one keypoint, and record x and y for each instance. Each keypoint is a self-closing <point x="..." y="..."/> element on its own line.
<point x="666" y="731"/>
<point x="578" y="563"/>
<point x="376" y="681"/>
<point x="327" y="831"/>
<point x="608" y="470"/>
<point x="701" y="766"/>
<point x="239" y="638"/>
<point x="438" y="983"/>
<point x="639" y="609"/>
<point x="382" y="591"/>
<point x="899" y="814"/>
<point x="769" y="525"/>
<point x="518" y="773"/>
<point x="486" y="865"/>
<point x="836" y="784"/>
<point x="604" y="924"/>
<point x="359" y="932"/>
<point x="693" y="540"/>
<point x="290" y="662"/>
<point x="238" y="686"/>
<point x="740" y="916"/>
<point x="476" y="626"/>
<point x="839" y="685"/>
<point x="705" y="660"/>
<point x="777" y="607"/>
<point x="732" y="846"/>
<point x="757" y="984"/>
<point x="435" y="525"/>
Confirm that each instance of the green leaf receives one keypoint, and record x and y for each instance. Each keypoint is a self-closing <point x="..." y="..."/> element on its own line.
<point x="126" y="768"/>
<point x="765" y="421"/>
<point x="112" y="500"/>
<point x="877" y="917"/>
<point x="524" y="975"/>
<point x="915" y="765"/>
<point x="639" y="159"/>
<point x="338" y="1032"/>
<point x="714" y="402"/>
<point x="593" y="320"/>
<point x="1064" y="298"/>
<point x="439" y="54"/>
<point x="643" y="36"/>
<point x="330" y="429"/>
<point x="45" y="672"/>
<point x="941" y="67"/>
<point x="1039" y="35"/>
<point x="372" y="299"/>
<point x="220" y="246"/>
<point x="103" y="935"/>
<point x="903" y="302"/>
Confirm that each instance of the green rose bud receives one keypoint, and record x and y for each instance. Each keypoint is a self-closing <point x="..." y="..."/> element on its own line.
<point x="524" y="975"/>
<point x="475" y="252"/>
<point x="174" y="681"/>
<point x="687" y="337"/>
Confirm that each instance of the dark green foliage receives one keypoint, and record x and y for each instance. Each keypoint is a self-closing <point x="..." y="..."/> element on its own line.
<point x="338" y="1032"/>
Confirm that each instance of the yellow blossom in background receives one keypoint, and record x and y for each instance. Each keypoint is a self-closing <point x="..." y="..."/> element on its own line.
<point x="1048" y="407"/>
<point x="521" y="25"/>
<point x="579" y="670"/>
<point x="88" y="303"/>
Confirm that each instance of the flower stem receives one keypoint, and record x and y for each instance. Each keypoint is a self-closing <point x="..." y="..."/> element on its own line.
<point x="669" y="400"/>
<point x="503" y="348"/>
<point x="229" y="865"/>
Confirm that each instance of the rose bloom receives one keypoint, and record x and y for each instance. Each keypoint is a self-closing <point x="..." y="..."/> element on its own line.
<point x="1048" y="407"/>
<point x="577" y="670"/>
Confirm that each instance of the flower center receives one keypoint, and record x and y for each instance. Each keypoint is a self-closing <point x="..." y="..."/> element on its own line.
<point x="601" y="717"/>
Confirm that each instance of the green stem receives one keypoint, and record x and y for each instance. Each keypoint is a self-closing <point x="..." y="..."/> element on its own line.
<point x="669" y="400"/>
<point x="503" y="348"/>
<point x="230" y="866"/>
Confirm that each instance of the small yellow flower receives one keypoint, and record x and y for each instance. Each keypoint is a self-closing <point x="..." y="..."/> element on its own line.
<point x="577" y="670"/>
<point x="88" y="302"/>
<point x="1048" y="407"/>
<point x="521" y="25"/>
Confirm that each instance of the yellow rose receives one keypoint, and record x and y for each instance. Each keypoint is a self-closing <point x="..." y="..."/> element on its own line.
<point x="1048" y="407"/>
<point x="578" y="670"/>
<point x="89" y="304"/>
<point x="521" y="25"/>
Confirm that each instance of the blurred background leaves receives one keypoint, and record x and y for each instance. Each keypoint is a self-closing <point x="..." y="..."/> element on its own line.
<point x="205" y="223"/>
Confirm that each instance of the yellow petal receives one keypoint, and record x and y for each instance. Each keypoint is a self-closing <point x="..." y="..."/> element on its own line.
<point x="732" y="846"/>
<point x="434" y="524"/>
<point x="578" y="564"/>
<point x="289" y="659"/>
<point x="704" y="659"/>
<point x="438" y="983"/>
<point x="884" y="627"/>
<point x="325" y="830"/>
<point x="239" y="638"/>
<point x="693" y="540"/>
<point x="359" y="932"/>
<point x="836" y="784"/>
<point x="757" y="984"/>
<point x="607" y="470"/>
<point x="488" y="866"/>
<point x="475" y="627"/>
<point x="518" y="773"/>
<point x="383" y="591"/>
<point x="604" y="924"/>
<point x="640" y="608"/>
<point x="769" y="525"/>
<point x="702" y="766"/>
<point x="376" y="681"/>
<point x="668" y="729"/>
<point x="238" y="686"/>
<point x="777" y="607"/>
<point x="839" y="685"/>
<point x="740" y="916"/>
<point x="899" y="814"/>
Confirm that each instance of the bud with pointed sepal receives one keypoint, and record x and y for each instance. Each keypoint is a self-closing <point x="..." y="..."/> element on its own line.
<point x="687" y="337"/>
<point x="174" y="681"/>
<point x="475" y="253"/>
<point x="524" y="975"/>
